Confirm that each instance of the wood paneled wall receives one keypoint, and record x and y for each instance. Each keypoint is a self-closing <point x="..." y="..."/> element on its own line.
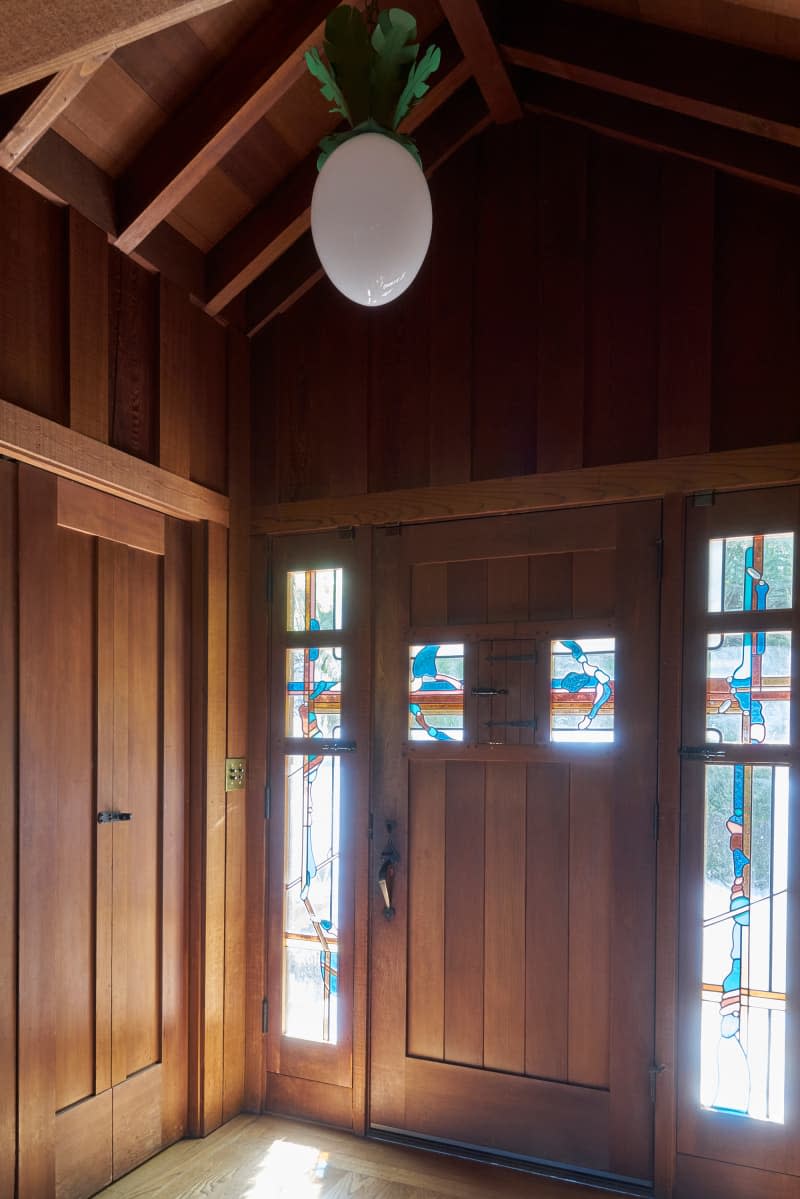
<point x="584" y="302"/>
<point x="92" y="341"/>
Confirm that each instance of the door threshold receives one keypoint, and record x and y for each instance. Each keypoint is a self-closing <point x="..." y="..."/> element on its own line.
<point x="606" y="1183"/>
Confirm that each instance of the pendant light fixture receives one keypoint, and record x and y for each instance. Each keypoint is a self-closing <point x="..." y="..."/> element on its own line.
<point x="371" y="208"/>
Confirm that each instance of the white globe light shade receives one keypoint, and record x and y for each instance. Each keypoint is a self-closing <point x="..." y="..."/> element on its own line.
<point x="371" y="218"/>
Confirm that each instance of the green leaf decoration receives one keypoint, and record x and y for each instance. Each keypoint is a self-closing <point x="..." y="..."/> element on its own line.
<point x="334" y="140"/>
<point x="348" y="50"/>
<point x="328" y="85"/>
<point x="395" y="46"/>
<point x="417" y="84"/>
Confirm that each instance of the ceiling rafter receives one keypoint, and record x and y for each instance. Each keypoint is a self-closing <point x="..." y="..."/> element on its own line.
<point x="38" y="106"/>
<point x="462" y="117"/>
<point x="261" y="69"/>
<point x="480" y="50"/>
<point x="274" y="225"/>
<point x="721" y="84"/>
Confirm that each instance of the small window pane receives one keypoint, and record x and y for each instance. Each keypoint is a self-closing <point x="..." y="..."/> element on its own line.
<point x="743" y="1045"/>
<point x="582" y="690"/>
<point x="748" y="688"/>
<point x="750" y="574"/>
<point x="314" y="691"/>
<point x="436" y="693"/>
<point x="314" y="600"/>
<point x="311" y="890"/>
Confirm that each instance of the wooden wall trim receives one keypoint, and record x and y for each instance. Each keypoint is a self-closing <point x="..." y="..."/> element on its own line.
<point x="44" y="443"/>
<point x="88" y="328"/>
<point x="99" y="515"/>
<point x="8" y="824"/>
<point x="730" y="470"/>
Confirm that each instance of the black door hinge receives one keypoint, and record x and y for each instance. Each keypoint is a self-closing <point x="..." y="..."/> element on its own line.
<point x="700" y="753"/>
<point x="654" y="1072"/>
<point x="656" y="820"/>
<point x="265" y="1016"/>
<point x="371" y="822"/>
<point x="268" y="584"/>
<point x="267" y="802"/>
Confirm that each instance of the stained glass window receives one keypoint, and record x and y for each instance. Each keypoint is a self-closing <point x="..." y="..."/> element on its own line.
<point x="748" y="688"/>
<point x="582" y="690"/>
<point x="436" y="693"/>
<point x="314" y="600"/>
<point x="314" y="691"/>
<point x="311" y="906"/>
<point x="750" y="574"/>
<point x="743" y="1040"/>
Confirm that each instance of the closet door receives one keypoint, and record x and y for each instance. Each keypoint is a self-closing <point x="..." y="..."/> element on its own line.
<point x="104" y="628"/>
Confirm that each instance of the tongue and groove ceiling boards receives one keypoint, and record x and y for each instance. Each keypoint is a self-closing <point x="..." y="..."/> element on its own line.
<point x="188" y="131"/>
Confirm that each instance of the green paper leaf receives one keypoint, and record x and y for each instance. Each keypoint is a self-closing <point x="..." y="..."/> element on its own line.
<point x="328" y="85"/>
<point x="332" y="142"/>
<point x="417" y="85"/>
<point x="395" y="48"/>
<point x="350" y="54"/>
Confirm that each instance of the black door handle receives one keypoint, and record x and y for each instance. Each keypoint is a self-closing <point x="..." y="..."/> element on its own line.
<point x="108" y="817"/>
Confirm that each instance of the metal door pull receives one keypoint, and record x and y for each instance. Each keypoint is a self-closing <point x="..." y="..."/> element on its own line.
<point x="108" y="817"/>
<point x="485" y="691"/>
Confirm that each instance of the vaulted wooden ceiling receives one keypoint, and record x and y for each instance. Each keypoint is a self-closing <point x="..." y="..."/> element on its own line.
<point x="194" y="147"/>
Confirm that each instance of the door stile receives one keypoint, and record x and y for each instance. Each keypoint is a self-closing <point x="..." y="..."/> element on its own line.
<point x="121" y="802"/>
<point x="104" y="792"/>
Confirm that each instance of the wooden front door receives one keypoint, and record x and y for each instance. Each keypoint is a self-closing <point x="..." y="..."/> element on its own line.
<point x="515" y="683"/>
<point x="104" y="634"/>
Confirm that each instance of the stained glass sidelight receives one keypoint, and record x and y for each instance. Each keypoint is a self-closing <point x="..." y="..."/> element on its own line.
<point x="743" y="1042"/>
<point x="750" y="574"/>
<point x="436" y="693"/>
<point x="748" y="688"/>
<point x="582" y="690"/>
<point x="311" y="904"/>
<point x="314" y="691"/>
<point x="314" y="600"/>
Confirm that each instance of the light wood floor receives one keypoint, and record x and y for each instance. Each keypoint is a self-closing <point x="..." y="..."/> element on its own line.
<point x="266" y="1157"/>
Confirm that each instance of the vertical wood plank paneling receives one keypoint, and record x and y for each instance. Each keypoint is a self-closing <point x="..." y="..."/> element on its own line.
<point x="33" y="301"/>
<point x="561" y="259"/>
<point x="175" y="668"/>
<point x="757" y="317"/>
<point x="133" y="356"/>
<point x="589" y="892"/>
<point x="686" y="307"/>
<point x="466" y="592"/>
<point x="623" y="315"/>
<point x="547" y="920"/>
<point x="399" y="388"/>
<point x="429" y="593"/>
<point x="267" y="414"/>
<point x="88" y="328"/>
<point x="505" y="321"/>
<point x="104" y="793"/>
<point x="507" y="589"/>
<point x="121" y="799"/>
<point x="464" y="913"/>
<point x="453" y="192"/>
<point x="594" y="583"/>
<point x="504" y="919"/>
<point x="209" y="464"/>
<point x="550" y="586"/>
<point x="38" y="787"/>
<point x="237" y="741"/>
<point x="177" y="371"/>
<point x="74" y="964"/>
<point x="9" y="683"/>
<point x="426" y="881"/>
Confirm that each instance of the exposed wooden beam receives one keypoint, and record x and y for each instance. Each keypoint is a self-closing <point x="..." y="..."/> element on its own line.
<point x="771" y="164"/>
<point x="38" y="115"/>
<point x="254" y="77"/>
<point x="730" y="470"/>
<point x="469" y="25"/>
<point x="274" y="225"/>
<point x="30" y="438"/>
<point x="42" y="38"/>
<point x="721" y="84"/>
<point x="462" y="117"/>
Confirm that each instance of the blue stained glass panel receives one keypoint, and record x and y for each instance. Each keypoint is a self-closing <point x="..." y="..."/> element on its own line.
<point x="314" y="600"/>
<point x="436" y="693"/>
<point x="748" y="688"/>
<point x="750" y="574"/>
<point x="582" y="690"/>
<point x="314" y="691"/>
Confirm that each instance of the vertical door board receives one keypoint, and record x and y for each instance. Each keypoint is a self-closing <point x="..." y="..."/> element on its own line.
<point x="9" y="684"/>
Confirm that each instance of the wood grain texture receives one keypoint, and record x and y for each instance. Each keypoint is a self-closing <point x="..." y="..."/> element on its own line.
<point x="54" y="97"/>
<point x="9" y="708"/>
<point x="84" y="1152"/>
<point x="464" y="913"/>
<point x="99" y="515"/>
<point x="39" y="442"/>
<point x="175" y="380"/>
<point x="426" y="898"/>
<point x="88" y="328"/>
<point x="209" y="404"/>
<point x="133" y="357"/>
<point x="481" y="52"/>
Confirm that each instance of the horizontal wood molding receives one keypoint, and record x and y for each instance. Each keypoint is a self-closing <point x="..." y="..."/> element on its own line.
<point x="97" y="514"/>
<point x="481" y="52"/>
<point x="37" y="441"/>
<point x="730" y="470"/>
<point x="50" y="101"/>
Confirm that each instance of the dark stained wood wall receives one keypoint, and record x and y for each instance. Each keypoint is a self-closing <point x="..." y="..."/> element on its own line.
<point x="584" y="302"/>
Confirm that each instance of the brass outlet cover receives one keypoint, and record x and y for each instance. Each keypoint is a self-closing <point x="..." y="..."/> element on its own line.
<point x="235" y="774"/>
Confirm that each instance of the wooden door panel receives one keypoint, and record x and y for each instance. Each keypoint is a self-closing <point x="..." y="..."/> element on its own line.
<point x="138" y="1126"/>
<point x="426" y="938"/>
<point x="83" y="1148"/>
<point x="463" y="911"/>
<point x="8" y="822"/>
<point x="74" y="844"/>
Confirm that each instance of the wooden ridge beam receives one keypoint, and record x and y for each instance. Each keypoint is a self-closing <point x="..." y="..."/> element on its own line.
<point x="41" y="109"/>
<point x="46" y="38"/>
<point x="728" y="470"/>
<point x="459" y="119"/>
<point x="261" y="69"/>
<point x="740" y="89"/>
<point x="278" y="222"/>
<point x="469" y="25"/>
<point x="770" y="164"/>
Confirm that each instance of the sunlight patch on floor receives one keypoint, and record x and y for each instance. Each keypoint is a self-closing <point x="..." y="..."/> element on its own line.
<point x="289" y="1171"/>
